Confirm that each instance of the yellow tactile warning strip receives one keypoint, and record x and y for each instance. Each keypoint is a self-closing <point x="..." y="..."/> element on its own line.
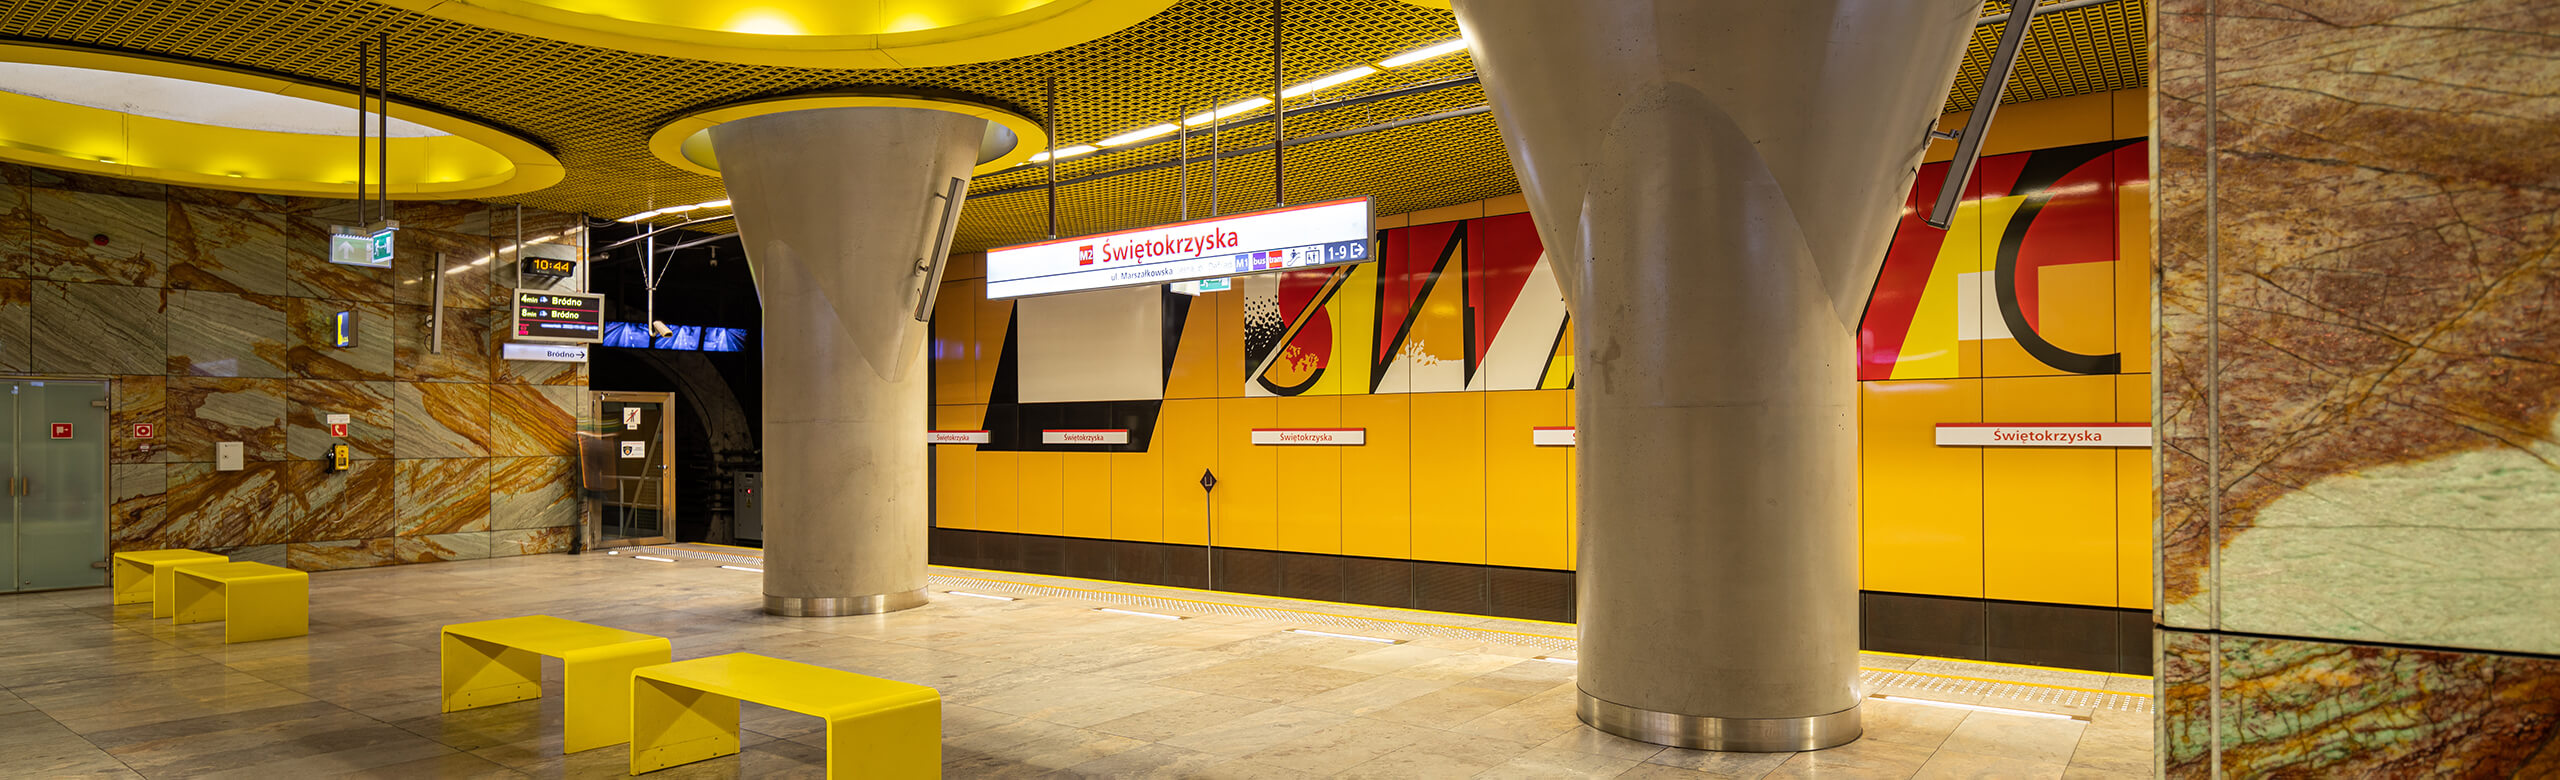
<point x="1554" y="637"/>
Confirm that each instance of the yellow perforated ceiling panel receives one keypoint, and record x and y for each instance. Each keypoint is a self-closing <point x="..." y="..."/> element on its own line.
<point x="596" y="107"/>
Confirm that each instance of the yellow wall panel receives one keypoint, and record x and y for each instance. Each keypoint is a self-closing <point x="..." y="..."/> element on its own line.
<point x="1377" y="478"/>
<point x="2038" y="124"/>
<point x="1921" y="523"/>
<point x="1042" y="480"/>
<point x="1196" y="356"/>
<point x="995" y="318"/>
<point x="2133" y="499"/>
<point x="2133" y="276"/>
<point x="1187" y="435"/>
<point x="999" y="491"/>
<point x="2049" y="513"/>
<point x="2077" y="304"/>
<point x="1087" y="508"/>
<point x="1308" y="479"/>
<point x="1524" y="484"/>
<point x="955" y="469"/>
<point x="1246" y="473"/>
<point x="955" y="332"/>
<point x="1137" y="495"/>
<point x="1572" y="497"/>
<point x="1448" y="477"/>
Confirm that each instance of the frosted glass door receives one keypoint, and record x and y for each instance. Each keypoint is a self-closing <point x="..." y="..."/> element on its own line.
<point x="61" y="490"/>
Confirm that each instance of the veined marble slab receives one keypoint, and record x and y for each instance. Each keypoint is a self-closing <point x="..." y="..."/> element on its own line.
<point x="226" y="334"/>
<point x="533" y="492"/>
<point x="228" y="250"/>
<point x="441" y="495"/>
<point x="100" y="329"/>
<point x="440" y="420"/>
<point x="67" y="228"/>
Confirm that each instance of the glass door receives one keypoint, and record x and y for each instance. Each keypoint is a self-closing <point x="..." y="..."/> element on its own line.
<point x="640" y="498"/>
<point x="56" y="464"/>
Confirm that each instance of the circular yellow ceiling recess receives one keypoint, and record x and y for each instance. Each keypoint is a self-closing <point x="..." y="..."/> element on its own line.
<point x="686" y="142"/>
<point x="849" y="34"/>
<point x="174" y="122"/>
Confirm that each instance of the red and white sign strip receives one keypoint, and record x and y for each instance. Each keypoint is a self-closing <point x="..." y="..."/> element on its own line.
<point x="1318" y="437"/>
<point x="1085" y="436"/>
<point x="1303" y="236"/>
<point x="956" y="437"/>
<point x="1551" y="437"/>
<point x="2044" y="434"/>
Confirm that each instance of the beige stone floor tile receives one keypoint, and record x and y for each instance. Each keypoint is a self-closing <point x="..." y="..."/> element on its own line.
<point x="1909" y="723"/>
<point x="1585" y="739"/>
<point x="1860" y="759"/>
<point x="1723" y="763"/>
<point x="1451" y="705"/>
<point x="1371" y="695"/>
<point x="2086" y="773"/>
<point x="1437" y="755"/>
<point x="2115" y="748"/>
<point x="2035" y="740"/>
<point x="1532" y="720"/>
<point x="1250" y="733"/>
<point x="1957" y="765"/>
<point x="1245" y="769"/>
<point x="1338" y="747"/>
<point x="1147" y="761"/>
<point x="1652" y="771"/>
<point x="1542" y="762"/>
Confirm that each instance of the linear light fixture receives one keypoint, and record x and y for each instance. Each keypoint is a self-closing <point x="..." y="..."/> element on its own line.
<point x="1228" y="110"/>
<point x="742" y="568"/>
<point x="1313" y="632"/>
<point x="1554" y="660"/>
<point x="978" y="595"/>
<point x="1976" y="707"/>
<point x="1135" y="613"/>
<point x="654" y="558"/>
<point x="1071" y="151"/>
<point x="655" y="213"/>
<point x="640" y="216"/>
<point x="1328" y="82"/>
<point x="1137" y="135"/>
<point x="1424" y="53"/>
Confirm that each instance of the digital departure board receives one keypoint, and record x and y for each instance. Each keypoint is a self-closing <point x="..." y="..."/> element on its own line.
<point x="572" y="318"/>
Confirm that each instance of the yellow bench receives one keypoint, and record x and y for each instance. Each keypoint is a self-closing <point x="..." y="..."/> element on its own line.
<point x="254" y="600"/>
<point x="143" y="575"/>
<point x="499" y="661"/>
<point x="687" y="711"/>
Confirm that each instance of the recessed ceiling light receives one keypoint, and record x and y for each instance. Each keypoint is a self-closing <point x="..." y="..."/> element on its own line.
<point x="1137" y="135"/>
<point x="1419" y="55"/>
<point x="1228" y="110"/>
<point x="1064" y="153"/>
<point x="1328" y="82"/>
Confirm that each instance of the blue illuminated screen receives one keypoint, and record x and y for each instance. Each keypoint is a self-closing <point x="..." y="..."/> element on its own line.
<point x="626" y="334"/>
<point x="724" y="339"/>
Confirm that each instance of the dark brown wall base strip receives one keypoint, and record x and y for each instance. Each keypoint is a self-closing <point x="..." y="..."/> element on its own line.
<point x="2058" y="635"/>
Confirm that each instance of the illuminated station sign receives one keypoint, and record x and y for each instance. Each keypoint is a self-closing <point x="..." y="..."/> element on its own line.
<point x="573" y="318"/>
<point x="1307" y="236"/>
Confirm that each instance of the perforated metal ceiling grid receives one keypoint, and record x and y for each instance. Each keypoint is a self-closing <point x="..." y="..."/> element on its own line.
<point x="596" y="107"/>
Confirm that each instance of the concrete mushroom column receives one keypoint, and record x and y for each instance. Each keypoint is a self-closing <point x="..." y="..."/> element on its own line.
<point x="836" y="207"/>
<point x="1716" y="183"/>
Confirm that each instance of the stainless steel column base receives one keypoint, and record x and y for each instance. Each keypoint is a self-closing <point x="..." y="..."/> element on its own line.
<point x="837" y="606"/>
<point x="1740" y="735"/>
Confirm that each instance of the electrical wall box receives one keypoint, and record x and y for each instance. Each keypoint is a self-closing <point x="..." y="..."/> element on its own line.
<point x="746" y="505"/>
<point x="228" y="456"/>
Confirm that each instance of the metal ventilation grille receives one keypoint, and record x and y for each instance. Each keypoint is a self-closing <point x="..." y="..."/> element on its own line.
<point x="596" y="107"/>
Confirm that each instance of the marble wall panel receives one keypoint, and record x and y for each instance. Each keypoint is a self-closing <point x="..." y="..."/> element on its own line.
<point x="308" y="404"/>
<point x="466" y="356"/>
<point x="346" y="554"/>
<point x="100" y="329"/>
<point x="440" y="420"/>
<point x="440" y="496"/>
<point x="269" y="554"/>
<point x="314" y="353"/>
<point x="313" y="276"/>
<point x="225" y="334"/>
<point x="441" y="547"/>
<point x="249" y="201"/>
<point x="2183" y="684"/>
<point x="534" y="420"/>
<point x="228" y="250"/>
<point x="138" y="515"/>
<point x="446" y="216"/>
<point x="205" y="410"/>
<point x="533" y="492"/>
<point x="75" y="181"/>
<point x="17" y="222"/>
<point x="530" y="541"/>
<point x="138" y="400"/>
<point x="351" y="504"/>
<point x="208" y="508"/>
<point x="2181" y="132"/>
<point x="2319" y="709"/>
<point x="17" y="325"/>
<point x="67" y="227"/>
<point x="466" y="262"/>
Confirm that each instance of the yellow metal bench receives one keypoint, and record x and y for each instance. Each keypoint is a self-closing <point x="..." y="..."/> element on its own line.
<point x="143" y="575"/>
<point x="687" y="711"/>
<point x="499" y="661"/>
<point x="253" y="600"/>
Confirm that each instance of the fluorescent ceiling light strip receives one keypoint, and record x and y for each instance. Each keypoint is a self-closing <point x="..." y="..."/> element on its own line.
<point x="1135" y="613"/>
<point x="713" y="204"/>
<point x="1419" y="55"/>
<point x="1135" y="136"/>
<point x="1063" y="153"/>
<point x="1313" y="632"/>
<point x="640" y="216"/>
<point x="978" y="595"/>
<point x="1976" y="707"/>
<point x="1329" y="82"/>
<point x="654" y="558"/>
<point x="1228" y="110"/>
<point x="741" y="568"/>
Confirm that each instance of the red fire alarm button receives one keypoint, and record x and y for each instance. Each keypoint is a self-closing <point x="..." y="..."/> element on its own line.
<point x="62" y="430"/>
<point x="145" y="430"/>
